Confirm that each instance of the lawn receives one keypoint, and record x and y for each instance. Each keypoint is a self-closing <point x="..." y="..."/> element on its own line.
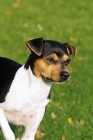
<point x="69" y="115"/>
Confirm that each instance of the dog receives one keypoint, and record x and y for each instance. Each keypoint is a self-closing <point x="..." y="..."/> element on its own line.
<point x="25" y="89"/>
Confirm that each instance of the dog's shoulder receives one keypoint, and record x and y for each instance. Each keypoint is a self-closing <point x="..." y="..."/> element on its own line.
<point x="8" y="69"/>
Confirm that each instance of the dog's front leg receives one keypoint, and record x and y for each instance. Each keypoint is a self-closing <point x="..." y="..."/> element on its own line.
<point x="30" y="129"/>
<point x="28" y="134"/>
<point x="8" y="134"/>
<point x="33" y="124"/>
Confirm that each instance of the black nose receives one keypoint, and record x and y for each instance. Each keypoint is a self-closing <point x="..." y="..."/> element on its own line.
<point x="64" y="75"/>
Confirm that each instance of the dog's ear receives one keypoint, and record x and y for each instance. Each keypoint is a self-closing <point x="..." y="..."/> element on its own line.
<point x="36" y="45"/>
<point x="71" y="50"/>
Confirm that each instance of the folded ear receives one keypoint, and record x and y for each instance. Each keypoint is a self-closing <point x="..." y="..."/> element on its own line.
<point x="35" y="45"/>
<point x="71" y="50"/>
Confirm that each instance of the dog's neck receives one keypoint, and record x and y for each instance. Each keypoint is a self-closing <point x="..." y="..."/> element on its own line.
<point x="35" y="88"/>
<point x="39" y="88"/>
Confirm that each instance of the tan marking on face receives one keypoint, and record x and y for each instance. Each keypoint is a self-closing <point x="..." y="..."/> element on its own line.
<point x="55" y="72"/>
<point x="54" y="56"/>
<point x="65" y="57"/>
<point x="51" y="71"/>
<point x="40" y="67"/>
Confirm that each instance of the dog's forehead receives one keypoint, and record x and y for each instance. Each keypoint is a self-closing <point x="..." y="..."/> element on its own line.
<point x="54" y="47"/>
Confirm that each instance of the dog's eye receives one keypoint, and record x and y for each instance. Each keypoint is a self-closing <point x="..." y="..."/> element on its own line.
<point x="50" y="60"/>
<point x="67" y="62"/>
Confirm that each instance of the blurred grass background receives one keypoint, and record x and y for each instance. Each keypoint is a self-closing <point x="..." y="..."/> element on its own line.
<point x="69" y="115"/>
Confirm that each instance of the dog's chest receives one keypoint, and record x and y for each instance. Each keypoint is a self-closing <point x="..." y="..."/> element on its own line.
<point x="19" y="117"/>
<point x="27" y="115"/>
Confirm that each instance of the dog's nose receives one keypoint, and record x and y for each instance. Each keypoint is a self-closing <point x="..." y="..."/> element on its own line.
<point x="64" y="75"/>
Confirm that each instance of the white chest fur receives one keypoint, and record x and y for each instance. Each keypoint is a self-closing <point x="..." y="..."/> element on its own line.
<point x="27" y="96"/>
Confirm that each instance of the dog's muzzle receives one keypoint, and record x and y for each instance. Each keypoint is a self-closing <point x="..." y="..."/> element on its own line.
<point x="64" y="75"/>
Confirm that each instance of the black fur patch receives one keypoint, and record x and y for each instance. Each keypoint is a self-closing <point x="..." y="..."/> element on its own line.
<point x="51" y="47"/>
<point x="8" y="69"/>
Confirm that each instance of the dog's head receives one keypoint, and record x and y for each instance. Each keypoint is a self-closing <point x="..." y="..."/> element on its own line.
<point x="49" y="59"/>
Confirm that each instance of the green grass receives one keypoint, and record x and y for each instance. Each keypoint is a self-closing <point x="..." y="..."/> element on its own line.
<point x="64" y="21"/>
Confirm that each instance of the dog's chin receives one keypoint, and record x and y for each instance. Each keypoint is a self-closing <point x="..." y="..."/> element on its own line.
<point x="58" y="82"/>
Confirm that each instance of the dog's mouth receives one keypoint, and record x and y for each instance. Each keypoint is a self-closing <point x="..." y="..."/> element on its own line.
<point x="63" y="77"/>
<point x="57" y="81"/>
